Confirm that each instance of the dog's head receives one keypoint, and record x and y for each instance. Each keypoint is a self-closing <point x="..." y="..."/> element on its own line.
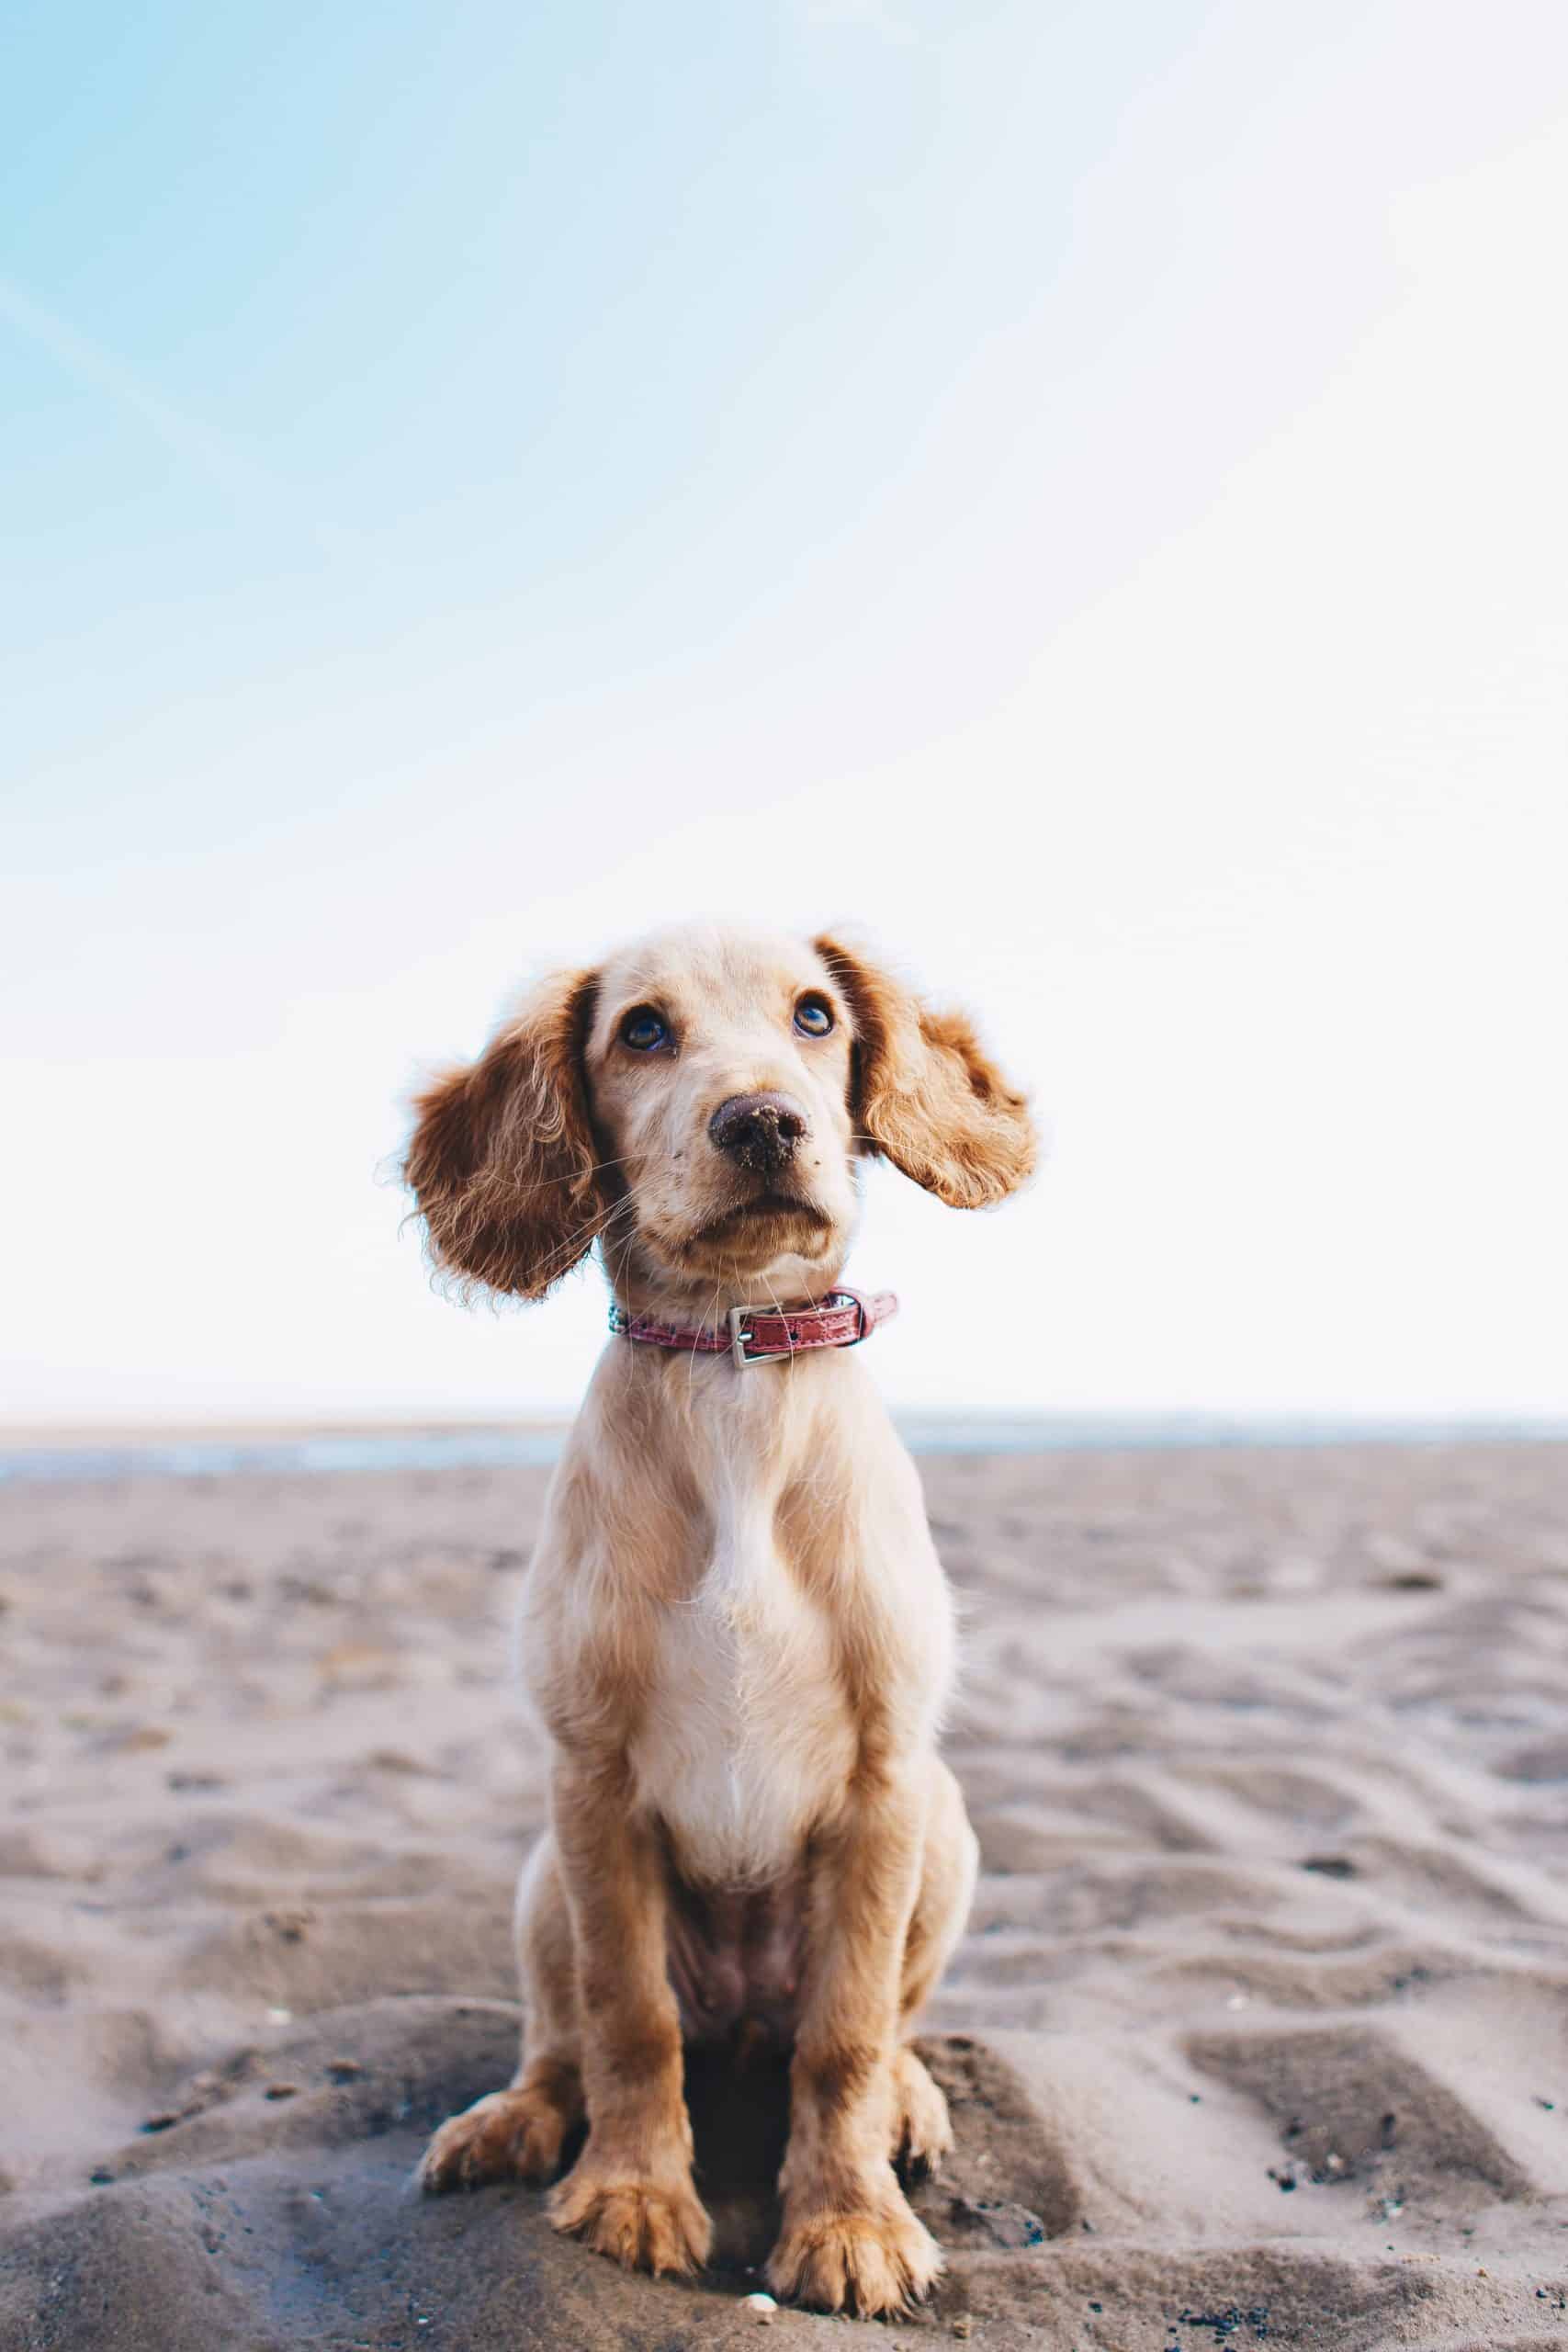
<point x="700" y="1104"/>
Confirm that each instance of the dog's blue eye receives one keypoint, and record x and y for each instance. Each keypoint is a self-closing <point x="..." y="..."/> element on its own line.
<point x="813" y="1017"/>
<point x="643" y="1030"/>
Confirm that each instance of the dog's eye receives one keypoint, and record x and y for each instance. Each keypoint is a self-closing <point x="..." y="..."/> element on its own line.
<point x="813" y="1016"/>
<point x="643" y="1029"/>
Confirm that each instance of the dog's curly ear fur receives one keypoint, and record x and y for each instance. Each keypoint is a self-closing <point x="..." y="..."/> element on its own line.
<point x="503" y="1160"/>
<point x="926" y="1096"/>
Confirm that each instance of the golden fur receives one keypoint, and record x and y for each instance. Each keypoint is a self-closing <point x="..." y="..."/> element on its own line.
<point x="734" y="1628"/>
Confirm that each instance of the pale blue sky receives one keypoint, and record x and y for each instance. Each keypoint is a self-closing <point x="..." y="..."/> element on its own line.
<point x="1080" y="489"/>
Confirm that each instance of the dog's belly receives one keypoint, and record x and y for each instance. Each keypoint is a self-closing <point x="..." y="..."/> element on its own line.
<point x="735" y="1961"/>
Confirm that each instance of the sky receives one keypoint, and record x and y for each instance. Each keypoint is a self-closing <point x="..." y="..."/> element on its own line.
<point x="1078" y="491"/>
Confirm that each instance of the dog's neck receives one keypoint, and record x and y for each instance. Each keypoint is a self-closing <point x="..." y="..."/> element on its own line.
<point x="790" y="1284"/>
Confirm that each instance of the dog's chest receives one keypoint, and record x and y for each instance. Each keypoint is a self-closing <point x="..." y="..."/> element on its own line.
<point x="746" y="1733"/>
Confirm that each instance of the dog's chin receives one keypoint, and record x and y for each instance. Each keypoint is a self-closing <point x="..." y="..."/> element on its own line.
<point x="756" y="1234"/>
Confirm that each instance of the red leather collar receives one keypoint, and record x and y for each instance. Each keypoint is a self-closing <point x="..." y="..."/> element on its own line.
<point x="765" y="1334"/>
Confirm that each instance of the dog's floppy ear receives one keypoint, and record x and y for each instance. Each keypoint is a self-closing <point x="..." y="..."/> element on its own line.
<point x="503" y="1160"/>
<point x="926" y="1095"/>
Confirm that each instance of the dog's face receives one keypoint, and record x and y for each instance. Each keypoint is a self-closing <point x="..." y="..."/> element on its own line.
<point x="718" y="1070"/>
<point x="699" y="1104"/>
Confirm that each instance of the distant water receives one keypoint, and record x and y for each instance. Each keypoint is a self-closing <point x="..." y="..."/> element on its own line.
<point x="306" y="1452"/>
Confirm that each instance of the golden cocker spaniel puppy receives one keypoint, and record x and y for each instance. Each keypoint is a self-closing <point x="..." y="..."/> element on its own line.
<point x="735" y="1627"/>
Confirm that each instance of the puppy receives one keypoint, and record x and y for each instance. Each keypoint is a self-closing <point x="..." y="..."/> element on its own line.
<point x="735" y="1627"/>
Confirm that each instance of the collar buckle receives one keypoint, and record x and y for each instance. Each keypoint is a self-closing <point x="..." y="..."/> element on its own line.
<point x="740" y="1317"/>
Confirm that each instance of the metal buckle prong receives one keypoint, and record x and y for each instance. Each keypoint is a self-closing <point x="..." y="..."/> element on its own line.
<point x="739" y="1335"/>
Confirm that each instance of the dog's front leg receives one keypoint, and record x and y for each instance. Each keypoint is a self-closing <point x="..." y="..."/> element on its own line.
<point x="630" y="2192"/>
<point x="848" y="2235"/>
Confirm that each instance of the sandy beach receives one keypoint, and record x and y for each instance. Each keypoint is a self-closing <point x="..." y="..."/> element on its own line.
<point x="1259" y="2035"/>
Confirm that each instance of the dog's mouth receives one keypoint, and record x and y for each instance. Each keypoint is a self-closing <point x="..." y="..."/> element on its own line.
<point x="764" y="1209"/>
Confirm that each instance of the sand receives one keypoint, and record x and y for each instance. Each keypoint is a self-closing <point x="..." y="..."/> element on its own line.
<point x="1260" y="2035"/>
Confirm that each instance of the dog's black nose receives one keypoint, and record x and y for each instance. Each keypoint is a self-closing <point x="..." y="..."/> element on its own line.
<point x="758" y="1130"/>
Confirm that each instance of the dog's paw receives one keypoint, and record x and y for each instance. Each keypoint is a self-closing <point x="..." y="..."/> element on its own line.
<point x="923" y="2134"/>
<point x="879" y="2261"/>
<point x="649" y="2226"/>
<point x="510" y="2135"/>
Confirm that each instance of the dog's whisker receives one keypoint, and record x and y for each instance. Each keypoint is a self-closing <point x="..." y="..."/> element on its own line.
<point x="586" y="1233"/>
<point x="573" y="1176"/>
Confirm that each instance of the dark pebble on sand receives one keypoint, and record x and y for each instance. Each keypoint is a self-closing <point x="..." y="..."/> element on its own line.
<point x="1225" y="2323"/>
<point x="997" y="2222"/>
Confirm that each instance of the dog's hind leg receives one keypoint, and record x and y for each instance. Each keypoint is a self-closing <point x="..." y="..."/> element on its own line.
<point x="922" y="2133"/>
<point x="517" y="2133"/>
